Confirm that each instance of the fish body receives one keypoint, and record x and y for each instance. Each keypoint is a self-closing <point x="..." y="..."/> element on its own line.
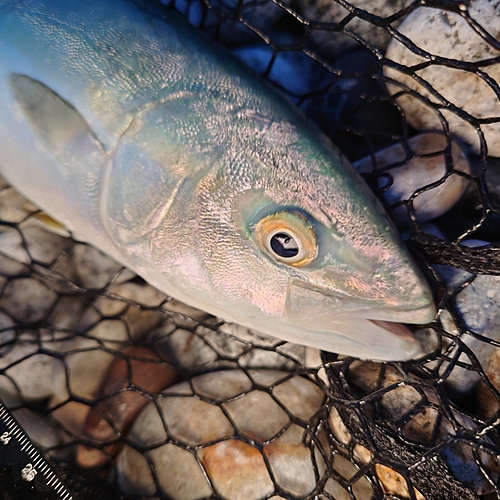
<point x="151" y="143"/>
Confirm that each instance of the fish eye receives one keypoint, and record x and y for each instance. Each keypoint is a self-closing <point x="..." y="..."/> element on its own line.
<point x="288" y="237"/>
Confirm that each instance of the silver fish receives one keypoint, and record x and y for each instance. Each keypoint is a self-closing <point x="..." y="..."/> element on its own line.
<point x="146" y="140"/>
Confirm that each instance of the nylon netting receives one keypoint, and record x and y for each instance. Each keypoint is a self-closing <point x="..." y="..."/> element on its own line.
<point x="134" y="395"/>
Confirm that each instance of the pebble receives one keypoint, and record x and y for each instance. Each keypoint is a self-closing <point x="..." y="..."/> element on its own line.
<point x="332" y="43"/>
<point x="479" y="307"/>
<point x="428" y="426"/>
<point x="258" y="405"/>
<point x="27" y="300"/>
<point x="120" y="398"/>
<point x="447" y="34"/>
<point x="421" y="165"/>
<point x="229" y="346"/>
<point x="26" y="372"/>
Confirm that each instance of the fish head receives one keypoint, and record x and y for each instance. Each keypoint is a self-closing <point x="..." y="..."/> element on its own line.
<point x="257" y="218"/>
<point x="307" y="249"/>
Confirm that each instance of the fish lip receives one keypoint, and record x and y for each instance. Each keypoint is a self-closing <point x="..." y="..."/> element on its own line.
<point x="422" y="312"/>
<point x="396" y="328"/>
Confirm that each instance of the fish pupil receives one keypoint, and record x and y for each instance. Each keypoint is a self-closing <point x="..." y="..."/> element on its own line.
<point x="284" y="245"/>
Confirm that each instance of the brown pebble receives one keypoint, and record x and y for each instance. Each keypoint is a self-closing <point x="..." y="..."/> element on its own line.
<point x="237" y="470"/>
<point x="121" y="399"/>
<point x="393" y="483"/>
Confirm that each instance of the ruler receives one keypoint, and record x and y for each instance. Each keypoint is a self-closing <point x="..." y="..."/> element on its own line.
<point x="24" y="473"/>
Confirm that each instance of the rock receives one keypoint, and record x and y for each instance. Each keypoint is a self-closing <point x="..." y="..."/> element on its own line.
<point x="488" y="402"/>
<point x="448" y="35"/>
<point x="393" y="483"/>
<point x="429" y="425"/>
<point x="229" y="346"/>
<point x="27" y="300"/>
<point x="195" y="415"/>
<point x="237" y="470"/>
<point x="333" y="43"/>
<point x="122" y="395"/>
<point x="88" y="267"/>
<point x="478" y="304"/>
<point x="406" y="168"/>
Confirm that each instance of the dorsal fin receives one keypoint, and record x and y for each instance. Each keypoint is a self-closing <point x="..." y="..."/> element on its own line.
<point x="57" y="122"/>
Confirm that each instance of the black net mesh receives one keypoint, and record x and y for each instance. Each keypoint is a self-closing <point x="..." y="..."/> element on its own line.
<point x="134" y="395"/>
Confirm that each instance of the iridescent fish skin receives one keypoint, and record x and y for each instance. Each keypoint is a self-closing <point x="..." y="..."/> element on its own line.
<point x="154" y="145"/>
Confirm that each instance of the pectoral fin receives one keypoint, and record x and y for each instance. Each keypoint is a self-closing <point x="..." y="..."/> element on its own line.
<point x="55" y="121"/>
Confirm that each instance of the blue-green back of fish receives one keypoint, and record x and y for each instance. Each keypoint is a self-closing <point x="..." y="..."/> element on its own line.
<point x="153" y="144"/>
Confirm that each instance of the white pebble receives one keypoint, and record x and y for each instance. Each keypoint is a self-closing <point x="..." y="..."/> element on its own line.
<point x="448" y="35"/>
<point x="334" y="43"/>
<point x="420" y="167"/>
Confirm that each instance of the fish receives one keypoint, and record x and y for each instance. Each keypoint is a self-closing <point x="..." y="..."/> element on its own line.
<point x="150" y="142"/>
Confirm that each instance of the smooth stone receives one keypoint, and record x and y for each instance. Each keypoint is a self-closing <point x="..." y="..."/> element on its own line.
<point x="41" y="429"/>
<point x="333" y="43"/>
<point x="36" y="244"/>
<point x="488" y="403"/>
<point x="27" y="300"/>
<point x="29" y="371"/>
<point x="194" y="413"/>
<point x="291" y="461"/>
<point x="85" y="364"/>
<point x="302" y="397"/>
<point x="447" y="34"/>
<point x="338" y="428"/>
<point x="14" y="207"/>
<point x="237" y="470"/>
<point x="134" y="476"/>
<point x="121" y="397"/>
<point x="228" y="346"/>
<point x="414" y="169"/>
<point x="88" y="267"/>
<point x="256" y="415"/>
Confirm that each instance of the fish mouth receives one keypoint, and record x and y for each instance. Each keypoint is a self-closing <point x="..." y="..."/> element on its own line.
<point x="396" y="328"/>
<point x="357" y="327"/>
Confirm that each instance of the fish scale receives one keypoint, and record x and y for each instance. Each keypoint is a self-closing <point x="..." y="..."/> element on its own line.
<point x="150" y="142"/>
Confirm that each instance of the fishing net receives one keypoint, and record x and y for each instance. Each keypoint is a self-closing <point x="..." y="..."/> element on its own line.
<point x="132" y="394"/>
